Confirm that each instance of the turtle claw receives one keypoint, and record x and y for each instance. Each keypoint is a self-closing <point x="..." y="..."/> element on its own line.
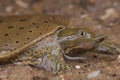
<point x="108" y="47"/>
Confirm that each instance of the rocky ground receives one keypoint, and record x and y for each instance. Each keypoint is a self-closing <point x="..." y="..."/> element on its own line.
<point x="99" y="16"/>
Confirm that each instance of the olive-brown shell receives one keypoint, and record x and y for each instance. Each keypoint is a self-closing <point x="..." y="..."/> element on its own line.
<point x="19" y="32"/>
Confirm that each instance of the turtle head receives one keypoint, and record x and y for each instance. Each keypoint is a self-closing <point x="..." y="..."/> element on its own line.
<point x="73" y="37"/>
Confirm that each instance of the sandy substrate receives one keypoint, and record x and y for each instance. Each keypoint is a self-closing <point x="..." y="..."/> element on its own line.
<point x="99" y="16"/>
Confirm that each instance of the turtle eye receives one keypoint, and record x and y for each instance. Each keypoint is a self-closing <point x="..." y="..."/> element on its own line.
<point x="81" y="33"/>
<point x="84" y="34"/>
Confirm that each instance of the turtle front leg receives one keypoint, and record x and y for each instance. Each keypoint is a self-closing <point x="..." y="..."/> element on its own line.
<point x="50" y="60"/>
<point x="104" y="46"/>
<point x="54" y="63"/>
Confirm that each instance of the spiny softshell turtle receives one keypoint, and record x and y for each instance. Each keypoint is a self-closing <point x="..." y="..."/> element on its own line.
<point x="40" y="40"/>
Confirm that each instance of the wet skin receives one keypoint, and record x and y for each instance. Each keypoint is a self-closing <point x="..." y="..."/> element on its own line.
<point x="43" y="40"/>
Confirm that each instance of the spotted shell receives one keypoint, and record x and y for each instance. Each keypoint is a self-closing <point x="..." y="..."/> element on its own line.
<point x="21" y="31"/>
